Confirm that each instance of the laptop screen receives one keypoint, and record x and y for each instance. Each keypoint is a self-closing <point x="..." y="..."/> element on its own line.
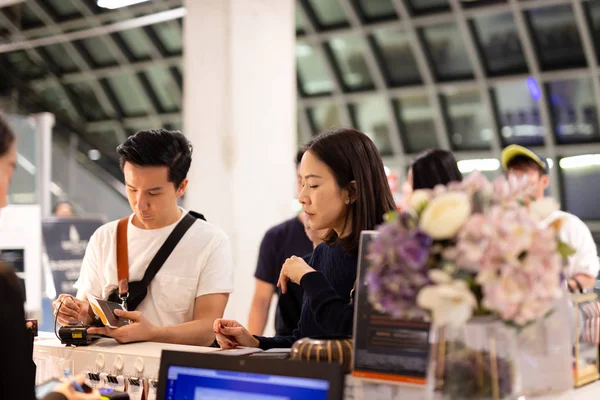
<point x="187" y="383"/>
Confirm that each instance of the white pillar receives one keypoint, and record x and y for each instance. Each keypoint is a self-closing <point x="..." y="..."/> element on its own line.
<point x="44" y="125"/>
<point x="240" y="115"/>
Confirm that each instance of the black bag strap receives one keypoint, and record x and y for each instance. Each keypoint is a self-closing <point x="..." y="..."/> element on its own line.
<point x="169" y="245"/>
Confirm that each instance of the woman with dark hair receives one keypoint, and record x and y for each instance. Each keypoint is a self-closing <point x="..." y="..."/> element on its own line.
<point x="17" y="371"/>
<point x="344" y="190"/>
<point x="433" y="167"/>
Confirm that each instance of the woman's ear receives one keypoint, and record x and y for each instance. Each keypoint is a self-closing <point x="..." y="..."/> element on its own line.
<point x="351" y="192"/>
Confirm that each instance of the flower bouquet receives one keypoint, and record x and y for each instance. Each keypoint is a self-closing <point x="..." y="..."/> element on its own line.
<point x="464" y="251"/>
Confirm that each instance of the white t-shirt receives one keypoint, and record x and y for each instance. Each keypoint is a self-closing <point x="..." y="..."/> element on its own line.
<point x="200" y="264"/>
<point x="576" y="234"/>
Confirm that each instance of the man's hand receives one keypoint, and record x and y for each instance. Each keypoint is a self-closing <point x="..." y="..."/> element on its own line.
<point x="72" y="310"/>
<point x="138" y="330"/>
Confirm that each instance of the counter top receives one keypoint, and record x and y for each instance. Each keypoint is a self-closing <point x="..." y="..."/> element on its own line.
<point x="106" y="345"/>
<point x="48" y="346"/>
<point x="358" y="389"/>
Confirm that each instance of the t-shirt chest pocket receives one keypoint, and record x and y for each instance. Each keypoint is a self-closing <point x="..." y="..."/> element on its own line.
<point x="176" y="294"/>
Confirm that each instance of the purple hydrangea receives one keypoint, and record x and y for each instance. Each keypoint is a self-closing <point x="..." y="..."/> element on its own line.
<point x="398" y="269"/>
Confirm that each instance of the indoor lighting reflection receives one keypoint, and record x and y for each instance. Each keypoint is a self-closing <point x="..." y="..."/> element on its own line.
<point x="582" y="161"/>
<point x="487" y="164"/>
<point x="112" y="4"/>
<point x="481" y="164"/>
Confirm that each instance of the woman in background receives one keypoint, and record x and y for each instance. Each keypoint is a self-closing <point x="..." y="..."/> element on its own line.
<point x="430" y="168"/>
<point x="17" y="371"/>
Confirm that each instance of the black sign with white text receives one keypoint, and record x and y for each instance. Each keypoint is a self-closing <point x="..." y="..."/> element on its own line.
<point x="386" y="348"/>
<point x="65" y="240"/>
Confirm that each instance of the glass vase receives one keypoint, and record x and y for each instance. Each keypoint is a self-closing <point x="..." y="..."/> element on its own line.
<point x="546" y="353"/>
<point x="475" y="361"/>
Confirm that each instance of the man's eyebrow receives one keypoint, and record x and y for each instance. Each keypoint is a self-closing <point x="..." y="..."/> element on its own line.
<point x="147" y="190"/>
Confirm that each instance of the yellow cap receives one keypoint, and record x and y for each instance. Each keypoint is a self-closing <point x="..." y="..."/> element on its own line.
<point x="514" y="150"/>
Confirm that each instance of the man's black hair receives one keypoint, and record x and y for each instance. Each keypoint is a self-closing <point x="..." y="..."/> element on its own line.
<point x="156" y="148"/>
<point x="522" y="162"/>
<point x="7" y="136"/>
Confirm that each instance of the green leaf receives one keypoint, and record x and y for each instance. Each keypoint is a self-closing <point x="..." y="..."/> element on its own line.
<point x="564" y="249"/>
<point x="520" y="328"/>
<point x="449" y="267"/>
<point x="391" y="216"/>
<point x="422" y="208"/>
<point x="478" y="202"/>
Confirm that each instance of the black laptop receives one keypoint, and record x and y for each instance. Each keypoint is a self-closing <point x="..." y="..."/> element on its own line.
<point x="195" y="376"/>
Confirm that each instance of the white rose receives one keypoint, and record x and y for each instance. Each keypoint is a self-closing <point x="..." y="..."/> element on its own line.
<point x="445" y="215"/>
<point x="419" y="199"/>
<point x="543" y="208"/>
<point x="451" y="304"/>
<point x="439" y="276"/>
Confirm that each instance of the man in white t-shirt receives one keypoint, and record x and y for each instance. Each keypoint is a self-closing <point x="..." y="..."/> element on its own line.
<point x="191" y="289"/>
<point x="583" y="266"/>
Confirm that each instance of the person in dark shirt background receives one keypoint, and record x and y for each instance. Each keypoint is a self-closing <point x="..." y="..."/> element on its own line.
<point x="289" y="238"/>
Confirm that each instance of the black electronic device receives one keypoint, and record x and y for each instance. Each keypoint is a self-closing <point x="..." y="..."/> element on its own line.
<point x="110" y="394"/>
<point x="76" y="335"/>
<point x="105" y="310"/>
<point x="193" y="375"/>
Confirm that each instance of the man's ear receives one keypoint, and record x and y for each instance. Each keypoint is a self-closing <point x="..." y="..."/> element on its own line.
<point x="182" y="187"/>
<point x="545" y="181"/>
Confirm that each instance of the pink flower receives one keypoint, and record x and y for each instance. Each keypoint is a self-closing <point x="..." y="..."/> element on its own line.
<point x="473" y="242"/>
<point x="439" y="189"/>
<point x="498" y="245"/>
<point x="515" y="259"/>
<point x="512" y="189"/>
<point x="476" y="182"/>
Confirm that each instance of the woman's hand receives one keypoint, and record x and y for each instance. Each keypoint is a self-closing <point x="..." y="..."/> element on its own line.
<point x="293" y="270"/>
<point x="231" y="334"/>
<point x="70" y="393"/>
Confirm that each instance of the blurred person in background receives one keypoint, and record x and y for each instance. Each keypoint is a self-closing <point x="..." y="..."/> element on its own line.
<point x="17" y="370"/>
<point x="583" y="266"/>
<point x="293" y="237"/>
<point x="63" y="209"/>
<point x="428" y="169"/>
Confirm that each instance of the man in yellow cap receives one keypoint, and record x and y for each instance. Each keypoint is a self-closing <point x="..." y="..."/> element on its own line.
<point x="583" y="266"/>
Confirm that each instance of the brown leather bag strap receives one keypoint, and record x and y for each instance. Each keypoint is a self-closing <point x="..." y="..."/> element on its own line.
<point x="122" y="257"/>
